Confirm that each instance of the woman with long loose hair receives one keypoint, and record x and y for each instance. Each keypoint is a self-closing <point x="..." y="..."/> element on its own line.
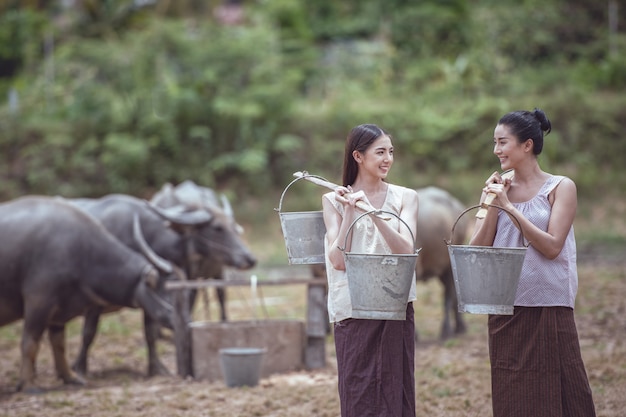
<point x="375" y="358"/>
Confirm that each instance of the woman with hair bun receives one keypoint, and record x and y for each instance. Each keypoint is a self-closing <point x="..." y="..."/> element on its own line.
<point x="536" y="365"/>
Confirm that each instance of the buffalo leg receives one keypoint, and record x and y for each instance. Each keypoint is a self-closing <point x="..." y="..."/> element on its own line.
<point x="90" y="328"/>
<point x="453" y="304"/>
<point x="450" y="305"/>
<point x="56" y="336"/>
<point x="151" y="333"/>
<point x="446" y="328"/>
<point x="460" y="326"/>
<point x="33" y="327"/>
<point x="220" y="292"/>
<point x="31" y="340"/>
<point x="221" y="296"/>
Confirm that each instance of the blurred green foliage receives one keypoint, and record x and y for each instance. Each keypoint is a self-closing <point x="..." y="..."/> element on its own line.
<point x="112" y="97"/>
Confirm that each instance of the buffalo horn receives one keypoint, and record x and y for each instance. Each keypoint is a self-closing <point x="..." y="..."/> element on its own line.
<point x="165" y="196"/>
<point x="181" y="216"/>
<point x="147" y="251"/>
<point x="227" y="207"/>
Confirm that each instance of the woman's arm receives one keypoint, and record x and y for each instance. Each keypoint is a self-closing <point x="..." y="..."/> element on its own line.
<point x="401" y="241"/>
<point x="564" y="203"/>
<point x="485" y="228"/>
<point x="336" y="230"/>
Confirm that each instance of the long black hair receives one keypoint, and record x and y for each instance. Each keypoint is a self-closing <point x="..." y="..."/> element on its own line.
<point x="359" y="139"/>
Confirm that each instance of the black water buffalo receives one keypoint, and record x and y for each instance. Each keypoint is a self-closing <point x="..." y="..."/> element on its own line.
<point x="56" y="262"/>
<point x="179" y="234"/>
<point x="438" y="210"/>
<point x="191" y="196"/>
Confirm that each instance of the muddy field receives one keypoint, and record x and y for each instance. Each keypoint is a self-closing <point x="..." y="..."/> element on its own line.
<point x="452" y="378"/>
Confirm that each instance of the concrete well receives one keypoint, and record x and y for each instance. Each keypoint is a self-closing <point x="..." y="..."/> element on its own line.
<point x="283" y="341"/>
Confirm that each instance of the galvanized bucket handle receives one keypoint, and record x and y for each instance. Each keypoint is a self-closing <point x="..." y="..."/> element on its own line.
<point x="376" y="212"/>
<point x="522" y="237"/>
<point x="280" y="203"/>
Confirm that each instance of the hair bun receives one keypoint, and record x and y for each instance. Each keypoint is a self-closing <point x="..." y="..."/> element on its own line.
<point x="546" y="126"/>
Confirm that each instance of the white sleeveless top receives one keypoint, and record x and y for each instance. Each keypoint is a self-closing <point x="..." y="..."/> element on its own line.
<point x="543" y="282"/>
<point x="365" y="239"/>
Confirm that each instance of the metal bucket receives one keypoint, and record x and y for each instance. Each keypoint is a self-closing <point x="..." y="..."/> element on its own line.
<point x="303" y="232"/>
<point x="379" y="284"/>
<point x="486" y="277"/>
<point x="241" y="366"/>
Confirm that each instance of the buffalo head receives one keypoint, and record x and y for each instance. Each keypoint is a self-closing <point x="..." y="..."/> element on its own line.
<point x="208" y="220"/>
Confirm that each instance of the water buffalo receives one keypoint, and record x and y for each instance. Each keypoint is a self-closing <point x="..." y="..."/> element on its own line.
<point x="438" y="210"/>
<point x="194" y="197"/>
<point x="179" y="234"/>
<point x="56" y="262"/>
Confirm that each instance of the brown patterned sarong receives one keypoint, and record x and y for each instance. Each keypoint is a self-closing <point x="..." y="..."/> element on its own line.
<point x="536" y="366"/>
<point x="376" y="365"/>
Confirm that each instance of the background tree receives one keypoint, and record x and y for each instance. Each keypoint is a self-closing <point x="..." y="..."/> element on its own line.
<point x="123" y="95"/>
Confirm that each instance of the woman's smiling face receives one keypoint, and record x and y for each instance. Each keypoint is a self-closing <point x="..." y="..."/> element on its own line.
<point x="507" y="147"/>
<point x="378" y="158"/>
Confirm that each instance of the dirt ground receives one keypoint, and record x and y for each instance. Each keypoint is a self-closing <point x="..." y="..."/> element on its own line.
<point x="452" y="377"/>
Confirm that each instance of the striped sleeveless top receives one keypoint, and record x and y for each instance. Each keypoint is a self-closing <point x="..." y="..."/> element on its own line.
<point x="543" y="282"/>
